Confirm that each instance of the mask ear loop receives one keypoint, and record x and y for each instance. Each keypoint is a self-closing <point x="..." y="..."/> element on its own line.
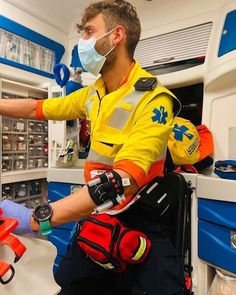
<point x="105" y="36"/>
<point x="109" y="51"/>
<point x="107" y="33"/>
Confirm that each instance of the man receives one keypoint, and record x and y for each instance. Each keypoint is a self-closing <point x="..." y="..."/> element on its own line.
<point x="129" y="132"/>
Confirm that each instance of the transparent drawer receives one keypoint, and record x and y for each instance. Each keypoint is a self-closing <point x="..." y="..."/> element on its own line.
<point x="21" y="190"/>
<point x="38" y="139"/>
<point x="8" y="191"/>
<point x="6" y="142"/>
<point x="34" y="202"/>
<point x="39" y="151"/>
<point x="7" y="124"/>
<point x="31" y="126"/>
<point x="31" y="139"/>
<point x="19" y="125"/>
<point x="7" y="163"/>
<point x="19" y="142"/>
<point x="31" y="164"/>
<point x="35" y="187"/>
<point x="39" y="162"/>
<point x="31" y="151"/>
<point x="19" y="162"/>
<point x="39" y="126"/>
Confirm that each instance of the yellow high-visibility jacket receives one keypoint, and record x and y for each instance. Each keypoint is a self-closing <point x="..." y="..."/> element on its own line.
<point x="129" y="128"/>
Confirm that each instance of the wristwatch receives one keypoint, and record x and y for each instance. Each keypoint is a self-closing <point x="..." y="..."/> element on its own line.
<point x="42" y="214"/>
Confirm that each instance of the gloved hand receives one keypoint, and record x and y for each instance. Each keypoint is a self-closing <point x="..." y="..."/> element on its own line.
<point x="21" y="213"/>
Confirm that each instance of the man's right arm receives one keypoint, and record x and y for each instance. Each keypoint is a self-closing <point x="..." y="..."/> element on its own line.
<point x="18" y="108"/>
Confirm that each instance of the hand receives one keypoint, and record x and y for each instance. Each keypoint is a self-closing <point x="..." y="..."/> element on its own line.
<point x="21" y="213"/>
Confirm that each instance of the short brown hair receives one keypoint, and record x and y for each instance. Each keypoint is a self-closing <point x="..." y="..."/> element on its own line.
<point x="116" y="12"/>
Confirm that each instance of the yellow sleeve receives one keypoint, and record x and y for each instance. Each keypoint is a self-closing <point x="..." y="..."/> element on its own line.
<point x="68" y="107"/>
<point x="149" y="135"/>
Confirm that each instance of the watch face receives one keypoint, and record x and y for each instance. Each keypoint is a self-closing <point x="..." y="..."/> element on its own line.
<point x="43" y="212"/>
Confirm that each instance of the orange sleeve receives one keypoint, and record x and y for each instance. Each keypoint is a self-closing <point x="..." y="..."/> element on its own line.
<point x="39" y="110"/>
<point x="136" y="172"/>
<point x="206" y="147"/>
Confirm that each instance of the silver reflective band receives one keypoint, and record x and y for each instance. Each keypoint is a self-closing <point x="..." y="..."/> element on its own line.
<point x="95" y="157"/>
<point x="90" y="101"/>
<point x="120" y="115"/>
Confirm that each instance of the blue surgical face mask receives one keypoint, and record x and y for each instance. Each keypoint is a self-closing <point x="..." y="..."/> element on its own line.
<point x="90" y="59"/>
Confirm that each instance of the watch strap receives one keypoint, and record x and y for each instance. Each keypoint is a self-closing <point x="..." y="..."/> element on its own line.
<point x="45" y="227"/>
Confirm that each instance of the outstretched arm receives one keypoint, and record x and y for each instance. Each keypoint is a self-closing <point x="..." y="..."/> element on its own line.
<point x="18" y="108"/>
<point x="72" y="208"/>
<point x="79" y="205"/>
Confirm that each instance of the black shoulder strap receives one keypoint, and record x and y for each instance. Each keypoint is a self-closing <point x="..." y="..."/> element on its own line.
<point x="169" y="164"/>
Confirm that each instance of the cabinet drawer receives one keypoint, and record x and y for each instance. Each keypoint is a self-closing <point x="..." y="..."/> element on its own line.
<point x="217" y="245"/>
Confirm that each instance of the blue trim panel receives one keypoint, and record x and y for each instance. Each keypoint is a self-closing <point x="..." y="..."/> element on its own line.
<point x="217" y="212"/>
<point x="228" y="39"/>
<point x="24" y="32"/>
<point x="25" y="67"/>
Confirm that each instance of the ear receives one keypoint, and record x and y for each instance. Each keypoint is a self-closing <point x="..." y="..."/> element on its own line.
<point x="119" y="34"/>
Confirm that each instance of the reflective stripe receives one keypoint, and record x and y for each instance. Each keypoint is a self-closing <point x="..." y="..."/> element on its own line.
<point x="125" y="108"/>
<point x="141" y="249"/>
<point x="95" y="157"/>
<point x="90" y="101"/>
<point x="161" y="156"/>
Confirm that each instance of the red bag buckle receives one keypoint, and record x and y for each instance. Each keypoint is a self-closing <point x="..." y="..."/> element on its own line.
<point x="188" y="283"/>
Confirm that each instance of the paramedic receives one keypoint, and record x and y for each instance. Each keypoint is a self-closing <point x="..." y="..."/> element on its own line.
<point x="129" y="131"/>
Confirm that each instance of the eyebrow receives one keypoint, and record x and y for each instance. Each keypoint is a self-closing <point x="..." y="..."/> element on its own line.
<point x="88" y="27"/>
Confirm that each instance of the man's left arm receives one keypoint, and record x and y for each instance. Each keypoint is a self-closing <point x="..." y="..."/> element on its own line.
<point x="147" y="142"/>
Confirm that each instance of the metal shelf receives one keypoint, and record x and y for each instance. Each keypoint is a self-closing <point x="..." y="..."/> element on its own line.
<point x="23" y="175"/>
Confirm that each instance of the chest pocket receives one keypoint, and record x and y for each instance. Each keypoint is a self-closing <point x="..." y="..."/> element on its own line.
<point x="118" y="125"/>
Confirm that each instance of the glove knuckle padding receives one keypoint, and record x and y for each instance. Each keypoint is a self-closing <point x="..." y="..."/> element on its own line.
<point x="106" y="187"/>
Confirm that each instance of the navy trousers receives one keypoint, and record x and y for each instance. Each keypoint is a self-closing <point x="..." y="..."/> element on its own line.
<point x="160" y="274"/>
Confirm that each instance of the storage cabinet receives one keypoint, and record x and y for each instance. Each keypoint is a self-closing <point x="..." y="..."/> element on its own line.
<point x="24" y="153"/>
<point x="62" y="235"/>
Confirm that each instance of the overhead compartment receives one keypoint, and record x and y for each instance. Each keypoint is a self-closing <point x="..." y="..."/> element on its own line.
<point x="174" y="51"/>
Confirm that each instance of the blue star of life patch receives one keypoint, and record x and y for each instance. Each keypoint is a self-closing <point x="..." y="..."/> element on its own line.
<point x="160" y="115"/>
<point x="180" y="132"/>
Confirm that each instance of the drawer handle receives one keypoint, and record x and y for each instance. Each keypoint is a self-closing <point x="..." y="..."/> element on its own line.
<point x="233" y="239"/>
<point x="165" y="59"/>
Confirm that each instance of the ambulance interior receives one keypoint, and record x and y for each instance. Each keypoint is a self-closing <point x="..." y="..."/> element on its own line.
<point x="191" y="47"/>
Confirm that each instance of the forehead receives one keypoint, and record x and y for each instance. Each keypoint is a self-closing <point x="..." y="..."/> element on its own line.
<point x="97" y="22"/>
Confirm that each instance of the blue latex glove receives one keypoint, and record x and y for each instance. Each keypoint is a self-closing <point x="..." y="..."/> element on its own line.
<point x="21" y="213"/>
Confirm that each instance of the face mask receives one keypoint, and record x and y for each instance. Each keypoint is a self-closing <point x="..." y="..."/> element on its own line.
<point x="90" y="59"/>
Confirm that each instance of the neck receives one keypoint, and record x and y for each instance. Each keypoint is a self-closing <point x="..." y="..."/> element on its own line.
<point x="115" y="73"/>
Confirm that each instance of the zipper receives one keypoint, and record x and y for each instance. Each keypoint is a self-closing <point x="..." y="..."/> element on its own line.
<point x="100" y="101"/>
<point x="101" y="249"/>
<point x="94" y="246"/>
<point x="96" y="221"/>
<point x="115" y="230"/>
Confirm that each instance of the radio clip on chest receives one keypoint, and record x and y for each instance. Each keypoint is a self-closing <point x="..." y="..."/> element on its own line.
<point x="146" y="84"/>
